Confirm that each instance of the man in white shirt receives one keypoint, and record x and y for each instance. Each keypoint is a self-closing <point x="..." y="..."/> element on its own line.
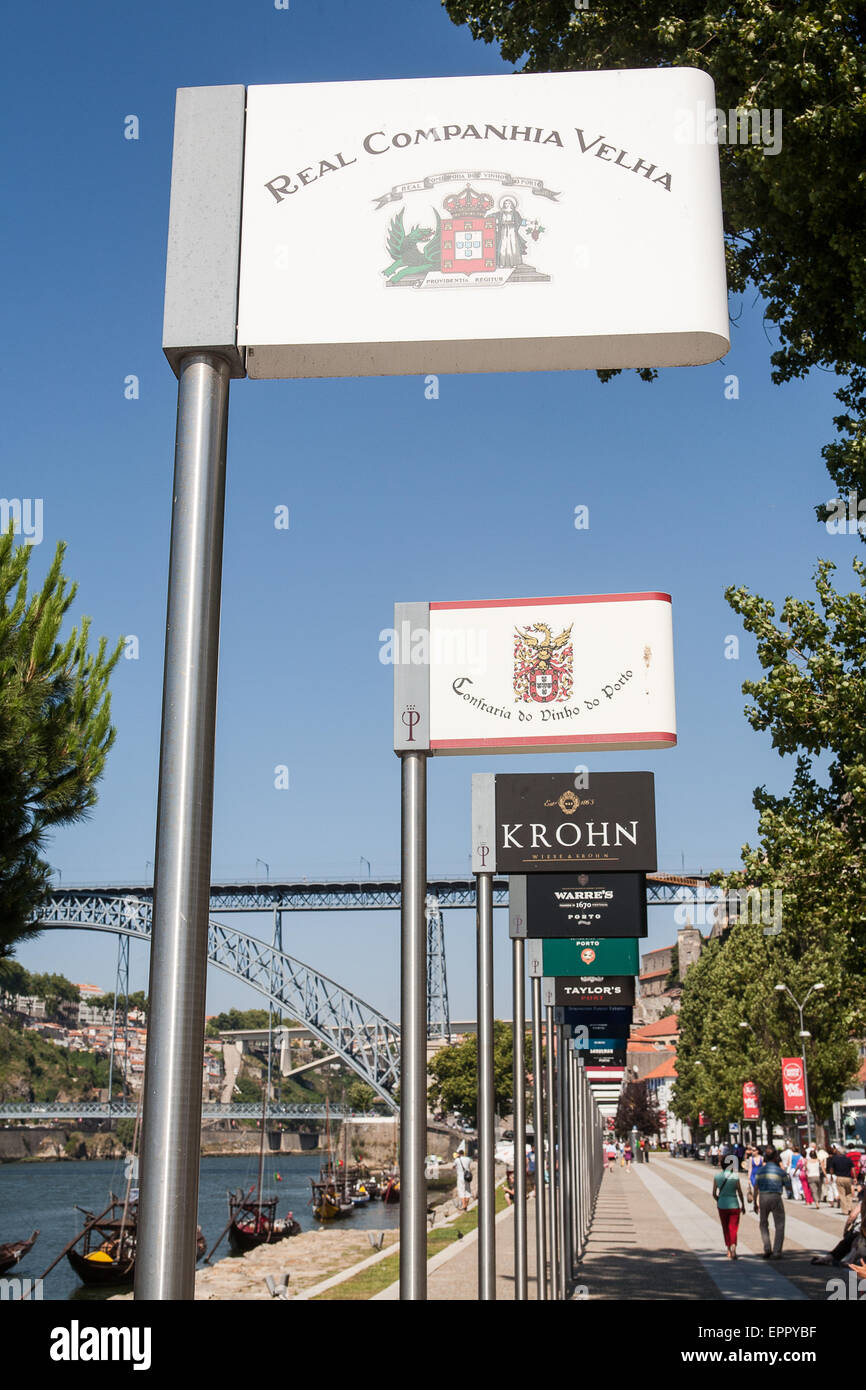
<point x="822" y="1176"/>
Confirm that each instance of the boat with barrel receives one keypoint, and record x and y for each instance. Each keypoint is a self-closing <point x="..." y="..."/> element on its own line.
<point x="253" y="1221"/>
<point x="13" y="1251"/>
<point x="103" y="1253"/>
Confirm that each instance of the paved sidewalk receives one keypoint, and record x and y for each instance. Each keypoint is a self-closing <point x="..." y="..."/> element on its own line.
<point x="453" y="1273"/>
<point x="656" y="1235"/>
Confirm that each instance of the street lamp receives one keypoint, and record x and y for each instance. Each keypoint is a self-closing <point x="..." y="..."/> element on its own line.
<point x="267" y="867"/>
<point x="804" y="1034"/>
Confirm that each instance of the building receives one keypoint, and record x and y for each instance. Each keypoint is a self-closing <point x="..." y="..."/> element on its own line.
<point x="660" y="983"/>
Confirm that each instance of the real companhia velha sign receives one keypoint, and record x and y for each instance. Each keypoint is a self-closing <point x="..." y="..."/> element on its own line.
<point x="469" y="224"/>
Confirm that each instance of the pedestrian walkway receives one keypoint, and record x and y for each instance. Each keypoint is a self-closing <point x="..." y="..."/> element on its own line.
<point x="453" y="1274"/>
<point x="656" y="1235"/>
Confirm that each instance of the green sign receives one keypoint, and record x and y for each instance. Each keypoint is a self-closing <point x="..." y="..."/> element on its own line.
<point x="589" y="955"/>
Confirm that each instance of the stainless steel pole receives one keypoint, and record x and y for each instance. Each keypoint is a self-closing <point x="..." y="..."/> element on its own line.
<point x="486" y="1092"/>
<point x="538" y="1129"/>
<point x="562" y="1166"/>
<point x="576" y="1148"/>
<point x="171" y="1124"/>
<point x="413" y="1028"/>
<point x="552" y="1159"/>
<point x="521" y="1288"/>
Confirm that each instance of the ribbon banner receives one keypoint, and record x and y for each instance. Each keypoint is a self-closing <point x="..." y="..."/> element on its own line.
<point x="399" y="190"/>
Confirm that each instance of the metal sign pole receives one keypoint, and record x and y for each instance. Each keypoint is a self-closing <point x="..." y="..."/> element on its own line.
<point x="581" y="1156"/>
<point x="171" y="1126"/>
<point x="576" y="1143"/>
<point x="519" y="1015"/>
<point x="552" y="1156"/>
<point x="562" y="1165"/>
<point x="486" y="1092"/>
<point x="538" y="1130"/>
<point x="413" y="1028"/>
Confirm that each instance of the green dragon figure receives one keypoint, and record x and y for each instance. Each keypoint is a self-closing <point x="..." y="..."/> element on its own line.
<point x="407" y="256"/>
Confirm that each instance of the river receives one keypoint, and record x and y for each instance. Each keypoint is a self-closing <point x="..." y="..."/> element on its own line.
<point x="44" y="1194"/>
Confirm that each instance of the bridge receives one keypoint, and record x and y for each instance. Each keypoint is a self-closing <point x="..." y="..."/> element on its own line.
<point x="127" y="1109"/>
<point x="360" y="1035"/>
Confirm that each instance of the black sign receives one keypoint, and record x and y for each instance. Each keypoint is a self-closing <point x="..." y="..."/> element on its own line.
<point x="602" y="1054"/>
<point x="547" y="823"/>
<point x="600" y="1023"/>
<point x="588" y="991"/>
<point x="576" y="905"/>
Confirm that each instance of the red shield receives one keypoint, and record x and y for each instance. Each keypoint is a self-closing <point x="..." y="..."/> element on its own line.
<point x="543" y="686"/>
<point x="468" y="244"/>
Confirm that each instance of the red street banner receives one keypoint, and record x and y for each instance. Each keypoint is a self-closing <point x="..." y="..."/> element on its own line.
<point x="751" y="1101"/>
<point x="793" y="1084"/>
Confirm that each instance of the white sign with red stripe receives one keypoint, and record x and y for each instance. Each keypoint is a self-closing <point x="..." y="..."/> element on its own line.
<point x="591" y="671"/>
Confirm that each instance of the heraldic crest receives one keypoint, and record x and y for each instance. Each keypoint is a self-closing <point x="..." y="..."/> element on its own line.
<point x="474" y="244"/>
<point x="543" y="665"/>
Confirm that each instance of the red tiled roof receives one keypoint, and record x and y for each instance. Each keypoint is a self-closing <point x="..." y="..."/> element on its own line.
<point x="636" y="1046"/>
<point x="659" y="1029"/>
<point x="664" y="1069"/>
<point x="652" y="974"/>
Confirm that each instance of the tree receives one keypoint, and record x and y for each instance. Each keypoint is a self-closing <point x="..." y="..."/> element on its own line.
<point x="362" y="1098"/>
<point x="136" y="1000"/>
<point x="55" y="729"/>
<point x="455" y="1074"/>
<point x="636" y="1110"/>
<point x="812" y="700"/>
<point x="795" y="222"/>
<point x="809" y="862"/>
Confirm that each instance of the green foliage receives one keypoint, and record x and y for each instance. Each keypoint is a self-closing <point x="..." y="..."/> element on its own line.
<point x="125" y="1131"/>
<point x="54" y="989"/>
<point x="137" y="1000"/>
<point x="673" y="976"/>
<point x="237" y="1019"/>
<point x="55" y="729"/>
<point x="455" y="1074"/>
<point x="33" y="1069"/>
<point x="362" y="1098"/>
<point x="795" y="222"/>
<point x="812" y="700"/>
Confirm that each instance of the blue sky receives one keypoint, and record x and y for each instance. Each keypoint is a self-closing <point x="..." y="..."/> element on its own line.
<point x="688" y="492"/>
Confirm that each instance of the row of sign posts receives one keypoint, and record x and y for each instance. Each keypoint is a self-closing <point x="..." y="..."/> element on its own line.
<point x="583" y="229"/>
<point x="577" y="931"/>
<point x="522" y="675"/>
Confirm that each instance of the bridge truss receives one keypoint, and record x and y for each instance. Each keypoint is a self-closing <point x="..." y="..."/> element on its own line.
<point x="360" y="1035"/>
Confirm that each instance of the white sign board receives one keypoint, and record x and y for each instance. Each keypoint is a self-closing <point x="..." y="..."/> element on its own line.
<point x="467" y="224"/>
<point x="526" y="675"/>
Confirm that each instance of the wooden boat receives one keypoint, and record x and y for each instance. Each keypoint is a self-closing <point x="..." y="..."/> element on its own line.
<point x="254" y="1222"/>
<point x="392" y="1191"/>
<point x="13" y="1251"/>
<point x="108" y="1245"/>
<point x="328" y="1203"/>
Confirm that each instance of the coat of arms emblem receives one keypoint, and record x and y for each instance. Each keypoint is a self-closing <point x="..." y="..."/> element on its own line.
<point x="543" y="664"/>
<point x="476" y="244"/>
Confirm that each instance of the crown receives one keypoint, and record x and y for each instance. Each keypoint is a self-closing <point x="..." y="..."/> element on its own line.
<point x="468" y="203"/>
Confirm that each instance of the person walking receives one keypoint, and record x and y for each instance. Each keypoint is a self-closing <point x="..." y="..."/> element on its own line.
<point x="729" y="1204"/>
<point x="811" y="1176"/>
<point x="628" y="1156"/>
<point x="842" y="1168"/>
<point x="770" y="1182"/>
<point x="463" y="1169"/>
<point x="756" y="1163"/>
<point x="822" y="1174"/>
<point x="794" y="1171"/>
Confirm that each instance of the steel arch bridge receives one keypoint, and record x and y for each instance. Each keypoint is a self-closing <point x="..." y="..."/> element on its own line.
<point x="364" y="1038"/>
<point x="360" y="1035"/>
